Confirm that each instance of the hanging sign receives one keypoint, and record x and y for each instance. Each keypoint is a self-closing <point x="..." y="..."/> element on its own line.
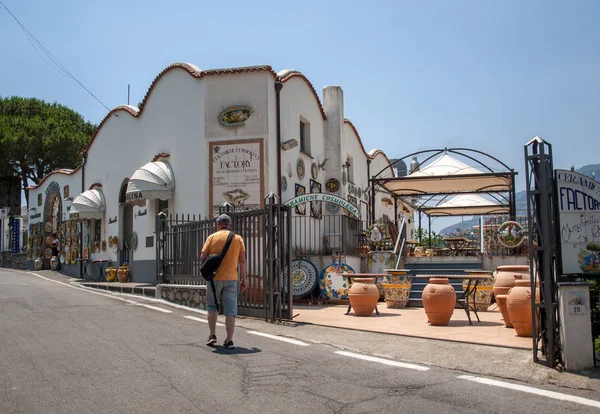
<point x="328" y="198"/>
<point x="578" y="203"/>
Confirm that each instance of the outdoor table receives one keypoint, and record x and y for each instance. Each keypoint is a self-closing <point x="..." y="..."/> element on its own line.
<point x="474" y="278"/>
<point x="455" y="244"/>
<point x="101" y="263"/>
<point x="365" y="275"/>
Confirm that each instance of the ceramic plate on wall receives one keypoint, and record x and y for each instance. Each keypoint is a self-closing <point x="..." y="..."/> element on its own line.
<point x="332" y="207"/>
<point x="304" y="277"/>
<point x="300" y="168"/>
<point x="332" y="185"/>
<point x="284" y="183"/>
<point x="335" y="287"/>
<point x="314" y="170"/>
<point x="344" y="178"/>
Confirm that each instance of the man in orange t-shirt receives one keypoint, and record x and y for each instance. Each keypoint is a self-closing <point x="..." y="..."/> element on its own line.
<point x="226" y="278"/>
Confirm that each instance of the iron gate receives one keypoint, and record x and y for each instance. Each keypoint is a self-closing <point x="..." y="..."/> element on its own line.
<point x="267" y="237"/>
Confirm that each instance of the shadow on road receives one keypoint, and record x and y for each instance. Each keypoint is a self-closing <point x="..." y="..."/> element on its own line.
<point x="236" y="351"/>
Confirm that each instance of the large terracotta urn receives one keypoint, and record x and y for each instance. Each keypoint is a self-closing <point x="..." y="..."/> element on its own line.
<point x="123" y="274"/>
<point x="396" y="288"/>
<point x="518" y="305"/>
<point x="501" y="301"/>
<point x="505" y="277"/>
<point x="439" y="299"/>
<point x="363" y="295"/>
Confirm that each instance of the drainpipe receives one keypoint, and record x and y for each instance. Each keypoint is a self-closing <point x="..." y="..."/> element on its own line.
<point x="84" y="161"/>
<point x="278" y="87"/>
<point x="372" y="198"/>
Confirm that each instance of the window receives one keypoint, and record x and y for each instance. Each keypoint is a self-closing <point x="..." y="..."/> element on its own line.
<point x="97" y="230"/>
<point x="350" y="165"/>
<point x="162" y="206"/>
<point x="304" y="136"/>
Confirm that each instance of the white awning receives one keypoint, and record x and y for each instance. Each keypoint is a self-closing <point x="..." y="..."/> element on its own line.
<point x="153" y="180"/>
<point x="89" y="205"/>
<point x="466" y="205"/>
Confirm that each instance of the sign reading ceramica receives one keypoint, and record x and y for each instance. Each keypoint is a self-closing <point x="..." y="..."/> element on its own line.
<point x="236" y="174"/>
<point x="328" y="198"/>
<point x="579" y="220"/>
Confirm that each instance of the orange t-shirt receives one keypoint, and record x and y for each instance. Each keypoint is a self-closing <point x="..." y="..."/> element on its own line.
<point x="214" y="244"/>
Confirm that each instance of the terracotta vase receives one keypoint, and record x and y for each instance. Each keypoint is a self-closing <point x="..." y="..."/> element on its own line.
<point x="505" y="277"/>
<point x="363" y="296"/>
<point x="439" y="299"/>
<point x="123" y="274"/>
<point x="518" y="305"/>
<point x="501" y="301"/>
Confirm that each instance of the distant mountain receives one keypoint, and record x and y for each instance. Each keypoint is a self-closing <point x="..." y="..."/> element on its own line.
<point x="521" y="201"/>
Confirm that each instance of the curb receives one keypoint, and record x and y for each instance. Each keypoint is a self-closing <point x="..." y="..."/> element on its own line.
<point x="142" y="291"/>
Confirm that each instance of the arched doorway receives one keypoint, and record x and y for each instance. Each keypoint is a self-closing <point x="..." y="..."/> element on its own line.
<point x="52" y="217"/>
<point x="125" y="224"/>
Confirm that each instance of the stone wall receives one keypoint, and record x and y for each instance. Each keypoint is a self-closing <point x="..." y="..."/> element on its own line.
<point x="15" y="260"/>
<point x="187" y="295"/>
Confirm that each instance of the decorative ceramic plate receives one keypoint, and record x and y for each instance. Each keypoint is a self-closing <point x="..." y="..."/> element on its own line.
<point x="109" y="241"/>
<point x="303" y="278"/>
<point x="93" y="248"/>
<point x="134" y="240"/>
<point x="48" y="227"/>
<point x="74" y="239"/>
<point x="284" y="183"/>
<point x="48" y="241"/>
<point x="62" y="257"/>
<point x="300" y="168"/>
<point x="289" y="169"/>
<point x="103" y="245"/>
<point x="67" y="241"/>
<point x="97" y="247"/>
<point x="63" y="227"/>
<point x="73" y="256"/>
<point x="332" y="207"/>
<point x="314" y="170"/>
<point x="67" y="258"/>
<point x="48" y="253"/>
<point x="38" y="239"/>
<point x="344" y="179"/>
<point x="335" y="287"/>
<point x="86" y="253"/>
<point x="115" y="240"/>
<point x="511" y="234"/>
<point x="332" y="185"/>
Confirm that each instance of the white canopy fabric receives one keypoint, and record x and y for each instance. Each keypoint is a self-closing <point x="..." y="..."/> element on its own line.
<point x="89" y="205"/>
<point x="447" y="175"/>
<point x="154" y="180"/>
<point x="467" y="205"/>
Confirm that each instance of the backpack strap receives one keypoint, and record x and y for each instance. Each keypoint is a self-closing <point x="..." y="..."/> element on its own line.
<point x="227" y="244"/>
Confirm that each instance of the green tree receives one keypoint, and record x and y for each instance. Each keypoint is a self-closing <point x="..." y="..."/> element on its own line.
<point x="38" y="137"/>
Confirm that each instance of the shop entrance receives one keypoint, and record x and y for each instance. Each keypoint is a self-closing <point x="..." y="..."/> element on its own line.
<point x="125" y="225"/>
<point x="52" y="219"/>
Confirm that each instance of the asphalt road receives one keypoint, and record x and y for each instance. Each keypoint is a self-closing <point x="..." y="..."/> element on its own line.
<point x="64" y="349"/>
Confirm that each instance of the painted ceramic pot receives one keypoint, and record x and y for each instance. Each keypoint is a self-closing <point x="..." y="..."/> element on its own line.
<point x="378" y="262"/>
<point x="483" y="294"/>
<point x="123" y="274"/>
<point x="111" y="274"/>
<point x="501" y="301"/>
<point x="505" y="277"/>
<point x="396" y="288"/>
<point x="518" y="305"/>
<point x="363" y="295"/>
<point x="396" y="295"/>
<point x="439" y="299"/>
<point x="38" y="263"/>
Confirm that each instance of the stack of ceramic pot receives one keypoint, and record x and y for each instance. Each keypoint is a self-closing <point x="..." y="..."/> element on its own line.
<point x="363" y="296"/>
<point x="396" y="288"/>
<point x="504" y="280"/>
<point x="439" y="300"/>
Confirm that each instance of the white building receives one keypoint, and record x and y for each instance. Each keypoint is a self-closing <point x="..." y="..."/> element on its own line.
<point x="202" y="138"/>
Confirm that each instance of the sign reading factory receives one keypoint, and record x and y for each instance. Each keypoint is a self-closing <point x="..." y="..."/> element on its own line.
<point x="579" y="219"/>
<point x="328" y="198"/>
<point x="236" y="174"/>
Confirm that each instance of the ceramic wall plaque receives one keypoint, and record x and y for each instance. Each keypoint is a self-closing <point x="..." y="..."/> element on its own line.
<point x="284" y="183"/>
<point x="344" y="178"/>
<point x="300" y="168"/>
<point x="332" y="185"/>
<point x="235" y="116"/>
<point x="332" y="207"/>
<point x="314" y="170"/>
<point x="335" y="287"/>
<point x="316" y="207"/>
<point x="300" y="208"/>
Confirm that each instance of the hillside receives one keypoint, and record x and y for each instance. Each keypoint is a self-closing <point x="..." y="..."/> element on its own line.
<point x="521" y="201"/>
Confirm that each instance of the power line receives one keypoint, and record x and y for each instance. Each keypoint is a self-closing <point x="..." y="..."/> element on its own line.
<point x="41" y="49"/>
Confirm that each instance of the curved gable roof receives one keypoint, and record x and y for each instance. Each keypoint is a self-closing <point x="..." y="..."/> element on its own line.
<point x="371" y="154"/>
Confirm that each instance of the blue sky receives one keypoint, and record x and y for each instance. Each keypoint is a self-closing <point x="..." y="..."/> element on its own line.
<point x="488" y="75"/>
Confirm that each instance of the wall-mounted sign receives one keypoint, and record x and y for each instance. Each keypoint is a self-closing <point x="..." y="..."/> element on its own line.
<point x="576" y="303"/>
<point x="237" y="174"/>
<point x="39" y="199"/>
<point x="235" y="116"/>
<point x="328" y="198"/>
<point x="16" y="235"/>
<point x="3" y="213"/>
<point x="34" y="216"/>
<point x="578" y="199"/>
<point x="66" y="191"/>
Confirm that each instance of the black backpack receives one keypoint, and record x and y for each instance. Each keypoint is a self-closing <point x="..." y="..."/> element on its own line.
<point x="209" y="268"/>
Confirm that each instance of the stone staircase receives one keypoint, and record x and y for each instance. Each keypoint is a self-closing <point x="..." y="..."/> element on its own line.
<point x="437" y="265"/>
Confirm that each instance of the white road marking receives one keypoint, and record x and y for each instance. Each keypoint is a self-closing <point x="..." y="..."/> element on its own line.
<point x="382" y="361"/>
<point x="279" y="338"/>
<point x="156" y="308"/>
<point x="201" y="320"/>
<point x="531" y="390"/>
